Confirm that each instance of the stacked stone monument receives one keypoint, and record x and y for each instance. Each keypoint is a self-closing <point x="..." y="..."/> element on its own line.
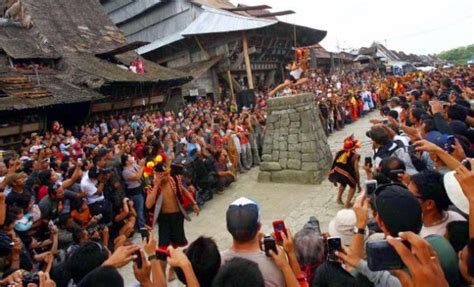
<point x="295" y="146"/>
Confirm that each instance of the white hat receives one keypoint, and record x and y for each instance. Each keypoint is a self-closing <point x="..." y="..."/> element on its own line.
<point x="342" y="225"/>
<point x="455" y="193"/>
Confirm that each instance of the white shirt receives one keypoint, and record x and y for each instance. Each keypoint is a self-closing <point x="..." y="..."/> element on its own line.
<point x="35" y="148"/>
<point x="8" y="189"/>
<point x="236" y="141"/>
<point x="440" y="229"/>
<point x="103" y="128"/>
<point x="399" y="111"/>
<point x="297" y="73"/>
<point x="89" y="186"/>
<point x="71" y="140"/>
<point x="405" y="140"/>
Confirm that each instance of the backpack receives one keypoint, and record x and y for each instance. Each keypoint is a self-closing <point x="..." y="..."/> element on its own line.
<point x="417" y="162"/>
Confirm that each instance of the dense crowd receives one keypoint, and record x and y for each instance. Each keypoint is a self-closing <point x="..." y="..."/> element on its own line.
<point x="72" y="200"/>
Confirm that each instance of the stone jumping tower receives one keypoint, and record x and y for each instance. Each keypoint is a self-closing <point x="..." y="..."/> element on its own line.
<point x="295" y="146"/>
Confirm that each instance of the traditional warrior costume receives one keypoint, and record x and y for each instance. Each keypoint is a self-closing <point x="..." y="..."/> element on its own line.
<point x="170" y="225"/>
<point x="343" y="168"/>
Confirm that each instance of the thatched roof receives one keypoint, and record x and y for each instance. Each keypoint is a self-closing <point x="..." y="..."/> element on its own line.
<point x="109" y="72"/>
<point x="73" y="32"/>
<point x="154" y="71"/>
<point x="20" y="43"/>
<point x="57" y="92"/>
<point x="73" y="26"/>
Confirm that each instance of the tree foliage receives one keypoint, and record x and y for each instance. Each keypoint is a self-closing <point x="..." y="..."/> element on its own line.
<point x="458" y="55"/>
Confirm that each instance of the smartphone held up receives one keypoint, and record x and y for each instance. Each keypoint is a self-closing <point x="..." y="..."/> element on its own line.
<point x="370" y="186"/>
<point x="333" y="244"/>
<point x="144" y="233"/>
<point x="279" y="227"/>
<point x="269" y="243"/>
<point x="382" y="256"/>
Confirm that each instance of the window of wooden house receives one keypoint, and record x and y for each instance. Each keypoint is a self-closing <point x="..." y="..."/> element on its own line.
<point x="35" y="65"/>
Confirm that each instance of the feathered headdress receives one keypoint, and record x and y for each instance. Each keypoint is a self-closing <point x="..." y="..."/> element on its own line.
<point x="350" y="143"/>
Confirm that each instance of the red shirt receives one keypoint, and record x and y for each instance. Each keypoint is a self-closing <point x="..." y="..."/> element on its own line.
<point x="242" y="132"/>
<point x="217" y="141"/>
<point x="139" y="150"/>
<point x="42" y="192"/>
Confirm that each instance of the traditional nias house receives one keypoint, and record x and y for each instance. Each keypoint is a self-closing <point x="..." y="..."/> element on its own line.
<point x="66" y="60"/>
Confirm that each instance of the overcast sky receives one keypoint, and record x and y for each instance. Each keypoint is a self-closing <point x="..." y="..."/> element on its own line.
<point x="413" y="26"/>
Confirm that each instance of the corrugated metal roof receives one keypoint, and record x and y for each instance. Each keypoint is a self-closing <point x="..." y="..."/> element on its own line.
<point x="220" y="4"/>
<point x="196" y="69"/>
<point x="133" y="9"/>
<point x="160" y="43"/>
<point x="212" y="20"/>
<point x="219" y="21"/>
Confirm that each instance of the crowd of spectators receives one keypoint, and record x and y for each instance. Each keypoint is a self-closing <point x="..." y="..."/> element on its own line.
<point x="72" y="200"/>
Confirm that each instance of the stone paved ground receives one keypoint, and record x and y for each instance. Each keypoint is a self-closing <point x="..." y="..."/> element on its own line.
<point x="291" y="202"/>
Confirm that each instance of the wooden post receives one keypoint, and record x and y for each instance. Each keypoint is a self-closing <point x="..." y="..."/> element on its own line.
<point x="201" y="47"/>
<point x="231" y="85"/>
<point x="245" y="42"/>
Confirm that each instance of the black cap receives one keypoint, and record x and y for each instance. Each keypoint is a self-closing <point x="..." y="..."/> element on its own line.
<point x="243" y="219"/>
<point x="398" y="208"/>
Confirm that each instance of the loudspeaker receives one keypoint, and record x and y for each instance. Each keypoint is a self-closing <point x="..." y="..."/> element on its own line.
<point x="313" y="62"/>
<point x="245" y="98"/>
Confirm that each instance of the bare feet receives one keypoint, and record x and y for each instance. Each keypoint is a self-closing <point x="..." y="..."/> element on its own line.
<point x="339" y="201"/>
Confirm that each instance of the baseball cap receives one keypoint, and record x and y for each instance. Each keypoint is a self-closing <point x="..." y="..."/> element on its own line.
<point x="398" y="208"/>
<point x="243" y="219"/>
<point x="438" y="139"/>
<point x="342" y="225"/>
<point x="455" y="193"/>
